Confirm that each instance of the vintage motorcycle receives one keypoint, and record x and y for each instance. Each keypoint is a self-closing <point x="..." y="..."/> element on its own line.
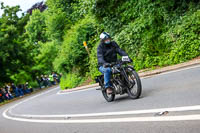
<point x="124" y="80"/>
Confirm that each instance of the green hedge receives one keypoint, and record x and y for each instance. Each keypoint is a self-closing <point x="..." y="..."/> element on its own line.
<point x="70" y="81"/>
<point x="72" y="56"/>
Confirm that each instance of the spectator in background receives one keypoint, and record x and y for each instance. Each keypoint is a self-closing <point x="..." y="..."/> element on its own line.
<point x="25" y="88"/>
<point x="45" y="81"/>
<point x="29" y="89"/>
<point x="20" y="88"/>
<point x="5" y="94"/>
<point x="51" y="79"/>
<point x="15" y="90"/>
<point x="8" y="92"/>
<point x="42" y="79"/>
<point x="54" y="77"/>
<point x="59" y="77"/>
<point x="2" y="98"/>
<point x="38" y="81"/>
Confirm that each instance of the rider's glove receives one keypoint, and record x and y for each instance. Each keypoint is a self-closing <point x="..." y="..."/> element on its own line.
<point x="106" y="65"/>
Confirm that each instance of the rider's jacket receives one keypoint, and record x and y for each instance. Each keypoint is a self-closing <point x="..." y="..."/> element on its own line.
<point x="107" y="53"/>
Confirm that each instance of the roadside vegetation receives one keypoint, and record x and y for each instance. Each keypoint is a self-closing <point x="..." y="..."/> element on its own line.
<point x="154" y="33"/>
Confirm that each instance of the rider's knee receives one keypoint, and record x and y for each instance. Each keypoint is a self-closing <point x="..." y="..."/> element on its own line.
<point x="108" y="70"/>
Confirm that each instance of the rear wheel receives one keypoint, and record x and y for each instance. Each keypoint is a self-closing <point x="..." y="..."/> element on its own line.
<point x="109" y="98"/>
<point x="134" y="86"/>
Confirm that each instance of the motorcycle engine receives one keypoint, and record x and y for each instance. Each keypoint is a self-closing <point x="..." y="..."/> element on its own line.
<point x="118" y="88"/>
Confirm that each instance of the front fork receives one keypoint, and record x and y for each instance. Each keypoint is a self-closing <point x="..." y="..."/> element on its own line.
<point x="124" y="73"/>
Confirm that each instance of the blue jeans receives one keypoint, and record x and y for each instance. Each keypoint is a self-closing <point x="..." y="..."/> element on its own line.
<point x="10" y="96"/>
<point x="107" y="75"/>
<point x="21" y="93"/>
<point x="17" y="92"/>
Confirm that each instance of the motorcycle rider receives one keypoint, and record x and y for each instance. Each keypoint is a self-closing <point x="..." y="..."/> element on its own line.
<point x="107" y="53"/>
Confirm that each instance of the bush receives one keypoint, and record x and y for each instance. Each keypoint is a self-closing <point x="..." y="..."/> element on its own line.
<point x="33" y="84"/>
<point x="153" y="33"/>
<point x="46" y="56"/>
<point x="93" y="62"/>
<point x="70" y="81"/>
<point x="21" y="78"/>
<point x="159" y="36"/>
<point x="72" y="56"/>
<point x="185" y="38"/>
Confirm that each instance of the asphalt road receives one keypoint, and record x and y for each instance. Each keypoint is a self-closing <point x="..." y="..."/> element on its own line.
<point x="86" y="111"/>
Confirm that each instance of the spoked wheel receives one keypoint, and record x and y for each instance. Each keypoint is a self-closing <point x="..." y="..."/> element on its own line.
<point x="109" y="98"/>
<point x="134" y="87"/>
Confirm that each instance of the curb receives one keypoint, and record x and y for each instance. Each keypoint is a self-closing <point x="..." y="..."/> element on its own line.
<point x="170" y="68"/>
<point x="79" y="88"/>
<point x="145" y="74"/>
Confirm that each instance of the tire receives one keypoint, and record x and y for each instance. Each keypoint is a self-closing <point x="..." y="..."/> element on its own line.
<point x="109" y="98"/>
<point x="135" y="84"/>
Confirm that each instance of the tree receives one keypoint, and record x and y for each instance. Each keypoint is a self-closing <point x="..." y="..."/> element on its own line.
<point x="36" y="31"/>
<point x="56" y="23"/>
<point x="13" y="52"/>
<point x="40" y="6"/>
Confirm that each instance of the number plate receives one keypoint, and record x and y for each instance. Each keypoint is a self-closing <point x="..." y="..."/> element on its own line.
<point x="125" y="58"/>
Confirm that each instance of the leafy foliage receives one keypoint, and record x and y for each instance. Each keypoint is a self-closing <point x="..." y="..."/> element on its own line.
<point x="39" y="5"/>
<point x="185" y="38"/>
<point x="35" y="28"/>
<point x="55" y="26"/>
<point x="70" y="81"/>
<point x="45" y="58"/>
<point x="72" y="56"/>
<point x="12" y="48"/>
<point x="153" y="33"/>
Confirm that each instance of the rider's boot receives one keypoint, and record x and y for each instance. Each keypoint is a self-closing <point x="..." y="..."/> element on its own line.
<point x="109" y="90"/>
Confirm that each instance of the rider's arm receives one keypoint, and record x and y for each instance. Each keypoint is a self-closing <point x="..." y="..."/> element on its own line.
<point x="119" y="50"/>
<point x="100" y="58"/>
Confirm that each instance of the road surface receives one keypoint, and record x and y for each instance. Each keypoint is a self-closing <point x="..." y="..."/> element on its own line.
<point x="86" y="111"/>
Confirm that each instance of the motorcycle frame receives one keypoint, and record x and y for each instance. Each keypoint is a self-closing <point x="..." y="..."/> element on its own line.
<point x="98" y="79"/>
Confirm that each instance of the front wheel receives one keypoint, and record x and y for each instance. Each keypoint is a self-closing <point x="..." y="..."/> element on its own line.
<point x="134" y="89"/>
<point x="109" y="98"/>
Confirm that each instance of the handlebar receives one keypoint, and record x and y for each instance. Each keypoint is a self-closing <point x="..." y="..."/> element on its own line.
<point x="119" y="62"/>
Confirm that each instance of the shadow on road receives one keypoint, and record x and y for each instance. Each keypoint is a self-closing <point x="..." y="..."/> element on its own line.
<point x="145" y="93"/>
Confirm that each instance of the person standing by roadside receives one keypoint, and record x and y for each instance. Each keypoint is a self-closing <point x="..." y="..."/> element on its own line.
<point x="2" y="98"/>
<point x="51" y="79"/>
<point x="38" y="81"/>
<point x="15" y="90"/>
<point x="29" y="89"/>
<point x="21" y="93"/>
<point x="54" y="77"/>
<point x="59" y="77"/>
<point x="45" y="81"/>
<point x="25" y="88"/>
<point x="42" y="80"/>
<point x="8" y="92"/>
<point x="5" y="94"/>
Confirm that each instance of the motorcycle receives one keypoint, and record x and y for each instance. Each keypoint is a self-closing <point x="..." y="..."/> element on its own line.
<point x="124" y="80"/>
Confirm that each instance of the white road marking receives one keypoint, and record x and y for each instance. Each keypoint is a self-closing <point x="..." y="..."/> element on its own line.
<point x="113" y="120"/>
<point x="135" y="112"/>
<point x="131" y="119"/>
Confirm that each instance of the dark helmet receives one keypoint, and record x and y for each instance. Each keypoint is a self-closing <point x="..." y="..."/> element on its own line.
<point x="104" y="36"/>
